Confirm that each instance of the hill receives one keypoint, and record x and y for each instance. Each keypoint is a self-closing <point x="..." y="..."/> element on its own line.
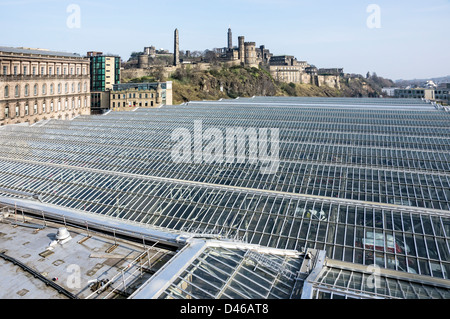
<point x="419" y="82"/>
<point x="190" y="84"/>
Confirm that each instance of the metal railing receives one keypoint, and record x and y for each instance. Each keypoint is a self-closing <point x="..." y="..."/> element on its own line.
<point x="129" y="274"/>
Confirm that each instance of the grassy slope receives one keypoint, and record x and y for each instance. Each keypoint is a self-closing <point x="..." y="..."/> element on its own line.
<point x="190" y="84"/>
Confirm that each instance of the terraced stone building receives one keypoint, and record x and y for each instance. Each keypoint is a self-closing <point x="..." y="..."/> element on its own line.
<point x="38" y="85"/>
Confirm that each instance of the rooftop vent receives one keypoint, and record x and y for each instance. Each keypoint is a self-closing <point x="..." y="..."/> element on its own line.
<point x="63" y="234"/>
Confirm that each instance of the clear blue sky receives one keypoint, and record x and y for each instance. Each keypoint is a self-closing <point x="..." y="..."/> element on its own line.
<point x="413" y="41"/>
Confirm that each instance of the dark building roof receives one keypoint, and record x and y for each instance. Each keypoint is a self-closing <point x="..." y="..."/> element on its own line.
<point x="38" y="51"/>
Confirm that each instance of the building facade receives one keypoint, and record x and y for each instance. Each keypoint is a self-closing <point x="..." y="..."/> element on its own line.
<point x="419" y="93"/>
<point x="390" y="92"/>
<point x="331" y="71"/>
<point x="442" y="93"/>
<point x="105" y="72"/>
<point x="37" y="84"/>
<point x="129" y="96"/>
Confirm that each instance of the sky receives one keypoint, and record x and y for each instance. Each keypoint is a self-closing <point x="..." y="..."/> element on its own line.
<point x="397" y="39"/>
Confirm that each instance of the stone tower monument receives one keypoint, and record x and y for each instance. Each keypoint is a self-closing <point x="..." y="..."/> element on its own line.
<point x="230" y="39"/>
<point x="241" y="49"/>
<point x="176" y="51"/>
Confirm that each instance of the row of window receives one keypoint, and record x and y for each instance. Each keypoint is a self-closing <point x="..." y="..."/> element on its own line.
<point x="131" y="104"/>
<point x="133" y="95"/>
<point x="51" y="108"/>
<point x="42" y="71"/>
<point x="17" y="89"/>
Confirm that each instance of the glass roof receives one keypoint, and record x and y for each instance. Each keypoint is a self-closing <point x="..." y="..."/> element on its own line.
<point x="366" y="180"/>
<point x="336" y="283"/>
<point x="226" y="273"/>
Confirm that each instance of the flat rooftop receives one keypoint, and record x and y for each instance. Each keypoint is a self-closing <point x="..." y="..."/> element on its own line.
<point x="76" y="265"/>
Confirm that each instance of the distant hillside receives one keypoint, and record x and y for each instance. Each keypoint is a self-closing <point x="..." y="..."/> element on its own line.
<point x="190" y="84"/>
<point x="418" y="82"/>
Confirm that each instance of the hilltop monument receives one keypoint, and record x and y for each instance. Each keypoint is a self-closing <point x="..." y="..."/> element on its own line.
<point x="176" y="50"/>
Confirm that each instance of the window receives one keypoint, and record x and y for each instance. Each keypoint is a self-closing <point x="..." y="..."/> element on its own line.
<point x="59" y="105"/>
<point x="43" y="107"/>
<point x="114" y="104"/>
<point x="79" y="87"/>
<point x="44" y="89"/>
<point x="6" y="112"/>
<point x="71" y="71"/>
<point x="5" y="70"/>
<point x="16" y="91"/>
<point x="17" y="111"/>
<point x="73" y="87"/>
<point x="27" y="109"/>
<point x="85" y="87"/>
<point x="51" y="106"/>
<point x="51" y="88"/>
<point x="65" y="71"/>
<point x="66" y="88"/>
<point x="57" y="71"/>
<point x="34" y="70"/>
<point x="7" y="91"/>
<point x="15" y="70"/>
<point x="25" y="70"/>
<point x="66" y="104"/>
<point x="42" y="70"/>
<point x="35" y="109"/>
<point x="35" y="89"/>
<point x="50" y="71"/>
<point x="27" y="90"/>
<point x="59" y="87"/>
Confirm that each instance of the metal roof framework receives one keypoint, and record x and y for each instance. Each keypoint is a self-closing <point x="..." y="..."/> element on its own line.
<point x="365" y="180"/>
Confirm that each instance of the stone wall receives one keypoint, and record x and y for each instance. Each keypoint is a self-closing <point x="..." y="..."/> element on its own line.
<point x="332" y="81"/>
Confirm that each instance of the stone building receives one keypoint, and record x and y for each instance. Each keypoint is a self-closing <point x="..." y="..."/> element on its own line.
<point x="283" y="68"/>
<point x="286" y="68"/>
<point x="150" y="51"/>
<point x="250" y="54"/>
<point x="331" y="71"/>
<point x="128" y="96"/>
<point x="38" y="84"/>
<point x="245" y="54"/>
<point x="264" y="55"/>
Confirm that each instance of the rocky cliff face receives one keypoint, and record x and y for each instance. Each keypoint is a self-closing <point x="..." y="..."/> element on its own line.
<point x="224" y="82"/>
